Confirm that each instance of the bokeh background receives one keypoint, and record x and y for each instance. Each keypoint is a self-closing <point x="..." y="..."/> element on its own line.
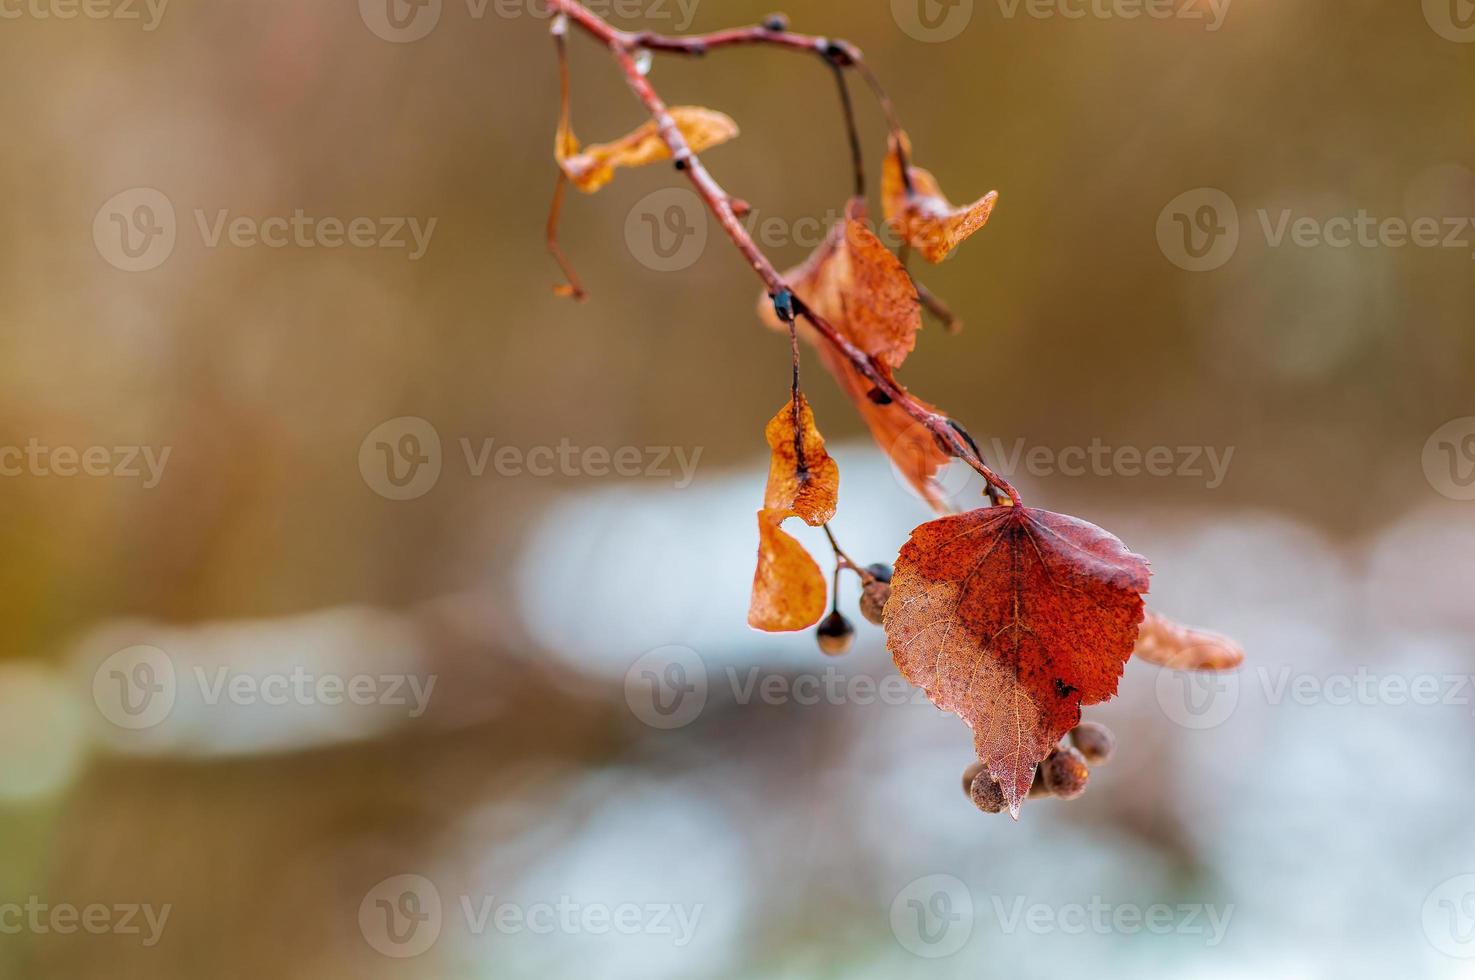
<point x="596" y="729"/>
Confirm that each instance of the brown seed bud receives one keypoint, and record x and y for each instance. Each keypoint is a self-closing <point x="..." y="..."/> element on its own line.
<point x="1096" y="742"/>
<point x="873" y="599"/>
<point x="1066" y="773"/>
<point x="985" y="792"/>
<point x="835" y="634"/>
<point x="969" y="774"/>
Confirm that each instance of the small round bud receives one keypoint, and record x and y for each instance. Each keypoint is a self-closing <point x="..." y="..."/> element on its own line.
<point x="835" y="634"/>
<point x="873" y="599"/>
<point x="969" y="774"/>
<point x="1065" y="773"/>
<point x="986" y="794"/>
<point x="1096" y="742"/>
<point x="775" y="23"/>
<point x="880" y="570"/>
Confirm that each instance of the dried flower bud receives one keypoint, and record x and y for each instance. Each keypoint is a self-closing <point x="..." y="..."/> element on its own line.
<point x="775" y="23"/>
<point x="835" y="634"/>
<point x="1096" y="742"/>
<point x="880" y="570"/>
<point x="1065" y="773"/>
<point x="873" y="599"/>
<point x="969" y="774"/>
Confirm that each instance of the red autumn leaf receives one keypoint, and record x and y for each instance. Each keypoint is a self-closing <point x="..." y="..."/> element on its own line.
<point x="803" y="481"/>
<point x="1013" y="618"/>
<point x="915" y="206"/>
<point x="1173" y="645"/>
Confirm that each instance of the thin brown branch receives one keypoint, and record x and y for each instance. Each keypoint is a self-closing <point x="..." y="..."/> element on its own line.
<point x="622" y="46"/>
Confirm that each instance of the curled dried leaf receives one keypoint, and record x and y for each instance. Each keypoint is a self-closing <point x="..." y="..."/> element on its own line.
<point x="915" y="207"/>
<point x="1013" y="618"/>
<point x="855" y="283"/>
<point x="1168" y="644"/>
<point x="594" y="166"/>
<point x="865" y="293"/>
<point x="802" y="477"/>
<point x="789" y="590"/>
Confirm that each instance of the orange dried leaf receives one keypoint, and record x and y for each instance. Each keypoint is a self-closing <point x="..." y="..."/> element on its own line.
<point x="802" y="477"/>
<point x="788" y="587"/>
<point x="865" y="293"/>
<point x="594" y="166"/>
<point x="803" y="481"/>
<point x="855" y="283"/>
<point x="1168" y="644"/>
<point x="921" y="215"/>
<point x="1013" y="618"/>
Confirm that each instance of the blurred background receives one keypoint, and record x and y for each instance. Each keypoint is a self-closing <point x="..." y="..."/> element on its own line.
<point x="370" y="612"/>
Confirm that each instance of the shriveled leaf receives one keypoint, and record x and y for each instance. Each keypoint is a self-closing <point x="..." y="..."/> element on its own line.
<point x="802" y="478"/>
<point x="804" y="482"/>
<point x="788" y="588"/>
<point x="855" y="283"/>
<point x="921" y="215"/>
<point x="594" y="166"/>
<point x="1168" y="644"/>
<point x="863" y="291"/>
<point x="1012" y="618"/>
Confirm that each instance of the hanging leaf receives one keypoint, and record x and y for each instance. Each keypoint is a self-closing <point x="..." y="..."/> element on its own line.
<point x="862" y="290"/>
<point x="1013" y="618"/>
<point x="1175" y="646"/>
<point x="594" y="166"/>
<point x="803" y="481"/>
<point x="920" y="213"/>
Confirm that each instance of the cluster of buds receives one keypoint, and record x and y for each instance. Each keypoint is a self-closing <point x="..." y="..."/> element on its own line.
<point x="1063" y="773"/>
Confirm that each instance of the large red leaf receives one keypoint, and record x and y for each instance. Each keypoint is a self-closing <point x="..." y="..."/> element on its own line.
<point x="1012" y="618"/>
